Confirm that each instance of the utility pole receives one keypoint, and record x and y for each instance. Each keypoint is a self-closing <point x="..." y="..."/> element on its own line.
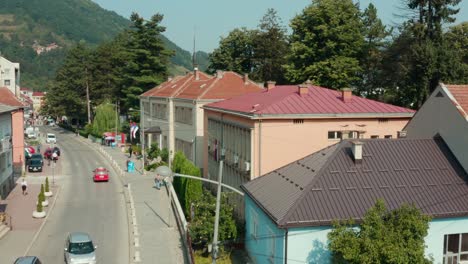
<point x="87" y="95"/>
<point x="218" y="204"/>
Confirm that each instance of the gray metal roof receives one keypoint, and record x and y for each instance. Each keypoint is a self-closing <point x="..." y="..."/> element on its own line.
<point x="422" y="172"/>
<point x="6" y="108"/>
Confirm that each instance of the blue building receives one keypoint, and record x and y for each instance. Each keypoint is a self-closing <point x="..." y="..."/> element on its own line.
<point x="290" y="211"/>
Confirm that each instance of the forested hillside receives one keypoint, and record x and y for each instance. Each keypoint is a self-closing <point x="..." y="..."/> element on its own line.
<point x="28" y="26"/>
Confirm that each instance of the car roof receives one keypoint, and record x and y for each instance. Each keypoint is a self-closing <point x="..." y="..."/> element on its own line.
<point x="50" y="134"/>
<point x="25" y="260"/>
<point x="78" y="237"/>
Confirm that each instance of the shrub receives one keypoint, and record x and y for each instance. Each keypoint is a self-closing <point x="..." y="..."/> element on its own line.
<point x="39" y="203"/>
<point x="47" y="184"/>
<point x="41" y="194"/>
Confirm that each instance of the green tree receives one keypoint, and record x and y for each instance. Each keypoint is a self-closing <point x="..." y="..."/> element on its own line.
<point x="47" y="184"/>
<point x="235" y="52"/>
<point x="105" y="119"/>
<point x="371" y="60"/>
<point x="147" y="59"/>
<point x="325" y="44"/>
<point x="456" y="41"/>
<point x="270" y="48"/>
<point x="383" y="237"/>
<point x="201" y="227"/>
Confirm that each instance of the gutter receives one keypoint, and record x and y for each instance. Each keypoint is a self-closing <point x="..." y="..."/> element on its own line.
<point x="286" y="247"/>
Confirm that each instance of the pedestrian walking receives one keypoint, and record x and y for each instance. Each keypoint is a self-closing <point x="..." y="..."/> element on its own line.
<point x="158" y="181"/>
<point x="39" y="148"/>
<point x="54" y="157"/>
<point x="130" y="151"/>
<point x="24" y="186"/>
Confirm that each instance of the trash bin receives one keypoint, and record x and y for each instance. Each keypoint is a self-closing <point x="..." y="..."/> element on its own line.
<point x="113" y="144"/>
<point x="131" y="166"/>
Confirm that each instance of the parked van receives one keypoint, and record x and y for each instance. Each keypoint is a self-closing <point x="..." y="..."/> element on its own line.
<point x="51" y="138"/>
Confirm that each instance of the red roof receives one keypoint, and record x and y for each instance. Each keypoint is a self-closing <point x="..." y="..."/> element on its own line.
<point x="8" y="98"/>
<point x="26" y="98"/>
<point x="460" y="93"/>
<point x="38" y="94"/>
<point x="285" y="99"/>
<point x="226" y="85"/>
<point x="25" y="89"/>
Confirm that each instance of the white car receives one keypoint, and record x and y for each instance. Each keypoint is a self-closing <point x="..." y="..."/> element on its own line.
<point x="51" y="138"/>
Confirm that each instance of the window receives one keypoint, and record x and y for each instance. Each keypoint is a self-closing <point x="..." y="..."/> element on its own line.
<point x="383" y="120"/>
<point x="183" y="115"/>
<point x="388" y="136"/>
<point x="455" y="248"/>
<point x="374" y="136"/>
<point x="6" y="71"/>
<point x="334" y="135"/>
<point x="160" y="111"/>
<point x="254" y="224"/>
<point x="146" y="108"/>
<point x="7" y="82"/>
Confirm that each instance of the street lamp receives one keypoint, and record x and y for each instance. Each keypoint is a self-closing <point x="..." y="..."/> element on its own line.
<point x="168" y="176"/>
<point x="167" y="173"/>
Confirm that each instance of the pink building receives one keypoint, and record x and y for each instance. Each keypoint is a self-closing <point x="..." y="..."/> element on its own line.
<point x="262" y="131"/>
<point x="17" y="125"/>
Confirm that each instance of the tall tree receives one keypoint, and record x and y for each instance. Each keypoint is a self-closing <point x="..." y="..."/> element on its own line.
<point x="270" y="48"/>
<point x="456" y="41"/>
<point x="375" y="34"/>
<point x="147" y="59"/>
<point x="325" y="44"/>
<point x="67" y="95"/>
<point x="235" y="52"/>
<point x="383" y="237"/>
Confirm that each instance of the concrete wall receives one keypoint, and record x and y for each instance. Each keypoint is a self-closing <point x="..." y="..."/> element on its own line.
<point x="440" y="115"/>
<point x="268" y="238"/>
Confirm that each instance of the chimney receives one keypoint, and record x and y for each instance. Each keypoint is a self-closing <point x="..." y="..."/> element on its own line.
<point x="246" y="78"/>
<point x="270" y="85"/>
<point x="401" y="134"/>
<point x="196" y="73"/>
<point x="303" y="89"/>
<point x="346" y="95"/>
<point x="219" y="74"/>
<point x="356" y="148"/>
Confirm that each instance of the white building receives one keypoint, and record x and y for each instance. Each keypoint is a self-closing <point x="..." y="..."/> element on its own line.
<point x="10" y="75"/>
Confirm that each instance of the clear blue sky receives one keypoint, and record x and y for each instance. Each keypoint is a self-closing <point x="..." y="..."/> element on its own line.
<point x="212" y="19"/>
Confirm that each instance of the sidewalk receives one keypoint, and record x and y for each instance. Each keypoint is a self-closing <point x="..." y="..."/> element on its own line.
<point x="152" y="224"/>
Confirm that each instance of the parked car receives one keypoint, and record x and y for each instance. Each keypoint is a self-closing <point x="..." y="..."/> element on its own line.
<point x="101" y="174"/>
<point x="79" y="248"/>
<point x="35" y="163"/>
<point x="28" y="260"/>
<point x="51" y="138"/>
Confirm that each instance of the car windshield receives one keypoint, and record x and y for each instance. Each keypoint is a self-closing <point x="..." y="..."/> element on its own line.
<point x="81" y="248"/>
<point x="50" y="136"/>
<point x="36" y="162"/>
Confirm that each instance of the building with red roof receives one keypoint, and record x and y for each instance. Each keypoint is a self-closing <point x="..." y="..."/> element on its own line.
<point x="7" y="98"/>
<point x="38" y="100"/>
<point x="444" y="113"/>
<point x="259" y="132"/>
<point x="10" y="75"/>
<point x="172" y="113"/>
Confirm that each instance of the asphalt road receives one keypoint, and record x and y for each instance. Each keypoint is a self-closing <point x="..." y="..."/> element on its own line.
<point x="82" y="205"/>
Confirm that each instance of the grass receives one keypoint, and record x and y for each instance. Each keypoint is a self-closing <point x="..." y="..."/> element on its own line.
<point x="200" y="258"/>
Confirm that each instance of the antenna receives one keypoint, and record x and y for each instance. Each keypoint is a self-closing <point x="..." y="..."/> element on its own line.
<point x="194" y="56"/>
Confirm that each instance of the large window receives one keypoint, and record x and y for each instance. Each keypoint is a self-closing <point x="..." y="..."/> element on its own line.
<point x="160" y="111"/>
<point x="183" y="115"/>
<point x="146" y="108"/>
<point x="455" y="248"/>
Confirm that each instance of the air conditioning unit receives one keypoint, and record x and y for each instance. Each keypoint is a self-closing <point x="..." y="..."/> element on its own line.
<point x="246" y="166"/>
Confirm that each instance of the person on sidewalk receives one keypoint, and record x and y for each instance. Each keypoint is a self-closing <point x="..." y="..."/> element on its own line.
<point x="157" y="182"/>
<point x="130" y="152"/>
<point x="24" y="186"/>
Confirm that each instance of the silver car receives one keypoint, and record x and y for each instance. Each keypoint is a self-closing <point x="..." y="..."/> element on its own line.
<point x="79" y="249"/>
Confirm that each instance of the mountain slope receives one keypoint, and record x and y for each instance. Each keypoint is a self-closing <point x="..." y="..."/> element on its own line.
<point x="51" y="27"/>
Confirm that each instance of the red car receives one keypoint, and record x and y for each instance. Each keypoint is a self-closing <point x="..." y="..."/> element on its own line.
<point x="101" y="174"/>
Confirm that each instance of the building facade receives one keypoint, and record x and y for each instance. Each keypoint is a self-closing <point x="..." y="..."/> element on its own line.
<point x="6" y="150"/>
<point x="445" y="113"/>
<point x="172" y="114"/>
<point x="38" y="100"/>
<point x="259" y="132"/>
<point x="290" y="211"/>
<point x="10" y="75"/>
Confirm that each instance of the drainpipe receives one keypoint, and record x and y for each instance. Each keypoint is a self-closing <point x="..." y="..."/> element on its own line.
<point x="286" y="247"/>
<point x="259" y="147"/>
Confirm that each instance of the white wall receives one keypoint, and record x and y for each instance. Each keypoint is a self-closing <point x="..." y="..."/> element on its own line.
<point x="440" y="115"/>
<point x="6" y="164"/>
<point x="7" y="72"/>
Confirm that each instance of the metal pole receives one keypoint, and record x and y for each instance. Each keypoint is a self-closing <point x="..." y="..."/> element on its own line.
<point x="116" y="123"/>
<point x="218" y="204"/>
<point x="170" y="204"/>
<point x="143" y="141"/>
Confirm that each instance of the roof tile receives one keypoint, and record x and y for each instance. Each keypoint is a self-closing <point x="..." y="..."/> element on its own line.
<point x="8" y="98"/>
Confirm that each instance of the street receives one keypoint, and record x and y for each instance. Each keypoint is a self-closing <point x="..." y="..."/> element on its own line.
<point x="82" y="205"/>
